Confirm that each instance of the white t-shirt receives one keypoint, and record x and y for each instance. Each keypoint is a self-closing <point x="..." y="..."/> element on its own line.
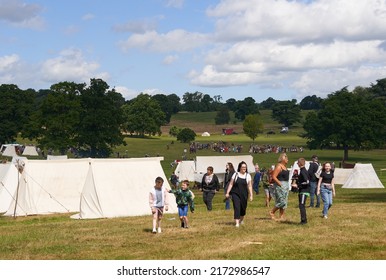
<point x="243" y="176"/>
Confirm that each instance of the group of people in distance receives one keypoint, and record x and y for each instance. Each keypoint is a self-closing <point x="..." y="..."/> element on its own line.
<point x="239" y="187"/>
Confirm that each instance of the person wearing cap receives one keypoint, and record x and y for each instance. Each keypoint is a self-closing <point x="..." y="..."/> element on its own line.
<point x="312" y="169"/>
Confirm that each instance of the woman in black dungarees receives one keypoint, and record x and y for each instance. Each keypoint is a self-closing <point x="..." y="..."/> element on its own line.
<point x="239" y="188"/>
<point x="280" y="178"/>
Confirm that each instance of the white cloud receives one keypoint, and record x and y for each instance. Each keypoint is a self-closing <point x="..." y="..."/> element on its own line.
<point x="136" y="26"/>
<point x="70" y="65"/>
<point x="175" y="40"/>
<point x="315" y="47"/>
<point x="298" y="22"/>
<point x="21" y="14"/>
<point x="324" y="82"/>
<point x="175" y="3"/>
<point x="170" y="59"/>
<point x="126" y="93"/>
<point x="154" y="91"/>
<point x="88" y="16"/>
<point x="9" y="65"/>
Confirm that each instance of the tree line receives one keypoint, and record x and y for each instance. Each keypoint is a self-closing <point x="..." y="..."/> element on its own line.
<point x="93" y="119"/>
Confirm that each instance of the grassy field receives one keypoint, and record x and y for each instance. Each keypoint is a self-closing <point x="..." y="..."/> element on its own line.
<point x="355" y="229"/>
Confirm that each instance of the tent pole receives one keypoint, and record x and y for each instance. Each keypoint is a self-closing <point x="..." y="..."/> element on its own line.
<point x="17" y="190"/>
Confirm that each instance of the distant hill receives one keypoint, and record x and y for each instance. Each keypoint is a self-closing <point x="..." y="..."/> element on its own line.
<point x="201" y="122"/>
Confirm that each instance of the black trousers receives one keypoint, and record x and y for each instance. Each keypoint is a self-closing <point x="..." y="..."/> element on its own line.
<point x="302" y="207"/>
<point x="239" y="206"/>
<point x="208" y="198"/>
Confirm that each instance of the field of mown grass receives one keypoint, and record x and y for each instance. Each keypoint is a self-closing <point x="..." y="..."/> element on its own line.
<point x="355" y="229"/>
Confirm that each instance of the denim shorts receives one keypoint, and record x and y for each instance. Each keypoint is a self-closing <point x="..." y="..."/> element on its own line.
<point x="183" y="210"/>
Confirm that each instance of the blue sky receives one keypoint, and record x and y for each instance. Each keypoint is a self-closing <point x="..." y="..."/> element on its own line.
<point x="235" y="49"/>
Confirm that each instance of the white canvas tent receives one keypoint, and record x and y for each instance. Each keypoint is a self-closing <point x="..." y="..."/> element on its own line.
<point x="363" y="176"/>
<point x="206" y="134"/>
<point x="49" y="187"/>
<point x="341" y="175"/>
<point x="8" y="183"/>
<point x="118" y="188"/>
<point x="30" y="151"/>
<point x="185" y="170"/>
<point x="219" y="164"/>
<point x="9" y="151"/>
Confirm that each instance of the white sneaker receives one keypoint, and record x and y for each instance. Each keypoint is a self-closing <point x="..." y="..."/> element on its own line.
<point x="154" y="230"/>
<point x="325" y="217"/>
<point x="159" y="230"/>
<point x="237" y="225"/>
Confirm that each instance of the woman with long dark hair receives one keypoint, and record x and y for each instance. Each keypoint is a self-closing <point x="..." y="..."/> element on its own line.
<point x="239" y="187"/>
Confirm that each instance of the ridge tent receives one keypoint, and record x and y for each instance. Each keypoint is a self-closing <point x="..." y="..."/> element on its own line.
<point x="9" y="150"/>
<point x="30" y="151"/>
<point x="185" y="170"/>
<point x="119" y="188"/>
<point x="8" y="183"/>
<point x="48" y="187"/>
<point x="219" y="163"/>
<point x="341" y="175"/>
<point x="363" y="176"/>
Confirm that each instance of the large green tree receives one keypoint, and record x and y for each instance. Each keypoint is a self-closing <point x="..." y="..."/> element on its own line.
<point x="268" y="103"/>
<point x="101" y="124"/>
<point x="311" y="103"/>
<point x="349" y="121"/>
<point x="143" y="115"/>
<point x="170" y="104"/>
<point x="186" y="135"/>
<point x="55" y="122"/>
<point x="248" y="106"/>
<point x="252" y="126"/>
<point x="222" y="116"/>
<point x="15" y="107"/>
<point x="286" y="112"/>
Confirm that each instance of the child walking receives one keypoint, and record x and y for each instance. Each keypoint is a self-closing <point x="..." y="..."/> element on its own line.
<point x="158" y="201"/>
<point x="184" y="199"/>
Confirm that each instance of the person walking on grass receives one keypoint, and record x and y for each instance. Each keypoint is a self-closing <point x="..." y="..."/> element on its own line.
<point x="256" y="180"/>
<point x="184" y="199"/>
<point x="229" y="171"/>
<point x="303" y="186"/>
<point x="280" y="177"/>
<point x="326" y="188"/>
<point x="209" y="186"/>
<point x="158" y="202"/>
<point x="312" y="169"/>
<point x="268" y="186"/>
<point x="239" y="188"/>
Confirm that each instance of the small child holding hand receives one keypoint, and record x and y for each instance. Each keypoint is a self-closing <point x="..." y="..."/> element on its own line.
<point x="184" y="199"/>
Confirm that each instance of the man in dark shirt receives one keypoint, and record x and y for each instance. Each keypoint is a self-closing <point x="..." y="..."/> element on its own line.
<point x="314" y="166"/>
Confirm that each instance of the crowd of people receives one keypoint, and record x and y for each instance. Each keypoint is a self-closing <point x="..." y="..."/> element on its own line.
<point x="316" y="182"/>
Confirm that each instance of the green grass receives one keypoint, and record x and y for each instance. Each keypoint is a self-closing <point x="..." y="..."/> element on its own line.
<point x="355" y="229"/>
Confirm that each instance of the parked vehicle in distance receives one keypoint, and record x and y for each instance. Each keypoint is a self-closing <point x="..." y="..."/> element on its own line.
<point x="284" y="129"/>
